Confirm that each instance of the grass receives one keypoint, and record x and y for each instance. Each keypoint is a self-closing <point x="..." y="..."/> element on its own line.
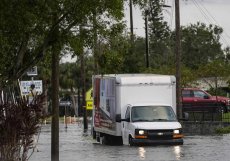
<point x="223" y="130"/>
<point x="226" y="117"/>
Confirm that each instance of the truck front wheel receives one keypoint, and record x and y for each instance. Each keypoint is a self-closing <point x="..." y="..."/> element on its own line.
<point x="131" y="143"/>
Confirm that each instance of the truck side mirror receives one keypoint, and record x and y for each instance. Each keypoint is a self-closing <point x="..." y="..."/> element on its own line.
<point x="118" y="118"/>
<point x="126" y="119"/>
<point x="206" y="97"/>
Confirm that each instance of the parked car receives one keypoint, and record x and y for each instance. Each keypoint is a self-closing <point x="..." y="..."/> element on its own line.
<point x="195" y="99"/>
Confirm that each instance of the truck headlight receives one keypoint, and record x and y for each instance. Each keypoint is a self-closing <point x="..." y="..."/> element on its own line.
<point x="177" y="134"/>
<point x="140" y="134"/>
<point x="177" y="131"/>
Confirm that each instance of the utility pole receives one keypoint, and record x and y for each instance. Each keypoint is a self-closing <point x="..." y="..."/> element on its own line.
<point x="178" y="59"/>
<point x="147" y="34"/>
<point x="131" y="27"/>
<point x="131" y="23"/>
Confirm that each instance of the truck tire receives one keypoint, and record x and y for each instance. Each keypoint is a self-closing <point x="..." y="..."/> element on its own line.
<point x="115" y="140"/>
<point x="105" y="140"/>
<point x="98" y="139"/>
<point x="131" y="143"/>
<point x="118" y="140"/>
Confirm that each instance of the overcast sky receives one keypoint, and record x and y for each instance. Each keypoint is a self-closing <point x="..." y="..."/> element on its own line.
<point x="191" y="11"/>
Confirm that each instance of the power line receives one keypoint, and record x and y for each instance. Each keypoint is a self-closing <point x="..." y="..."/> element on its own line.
<point x="170" y="12"/>
<point x="212" y="17"/>
<point x="207" y="17"/>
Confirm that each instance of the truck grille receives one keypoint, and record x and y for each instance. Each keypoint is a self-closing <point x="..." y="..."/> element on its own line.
<point x="160" y="134"/>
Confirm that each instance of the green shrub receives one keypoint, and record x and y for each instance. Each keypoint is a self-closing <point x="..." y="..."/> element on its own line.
<point x="224" y="130"/>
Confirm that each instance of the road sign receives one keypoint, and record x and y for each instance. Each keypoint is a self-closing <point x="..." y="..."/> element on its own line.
<point x="32" y="71"/>
<point x="25" y="86"/>
<point x="89" y="99"/>
<point x="65" y="103"/>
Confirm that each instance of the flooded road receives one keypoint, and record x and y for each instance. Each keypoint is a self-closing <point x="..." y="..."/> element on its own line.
<point x="76" y="146"/>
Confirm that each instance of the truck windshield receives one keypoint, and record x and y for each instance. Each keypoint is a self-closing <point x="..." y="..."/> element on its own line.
<point x="152" y="113"/>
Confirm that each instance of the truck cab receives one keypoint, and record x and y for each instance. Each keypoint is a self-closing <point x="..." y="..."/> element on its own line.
<point x="151" y="124"/>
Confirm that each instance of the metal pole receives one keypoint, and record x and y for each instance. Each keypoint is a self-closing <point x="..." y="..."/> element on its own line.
<point x="65" y="118"/>
<point x="178" y="59"/>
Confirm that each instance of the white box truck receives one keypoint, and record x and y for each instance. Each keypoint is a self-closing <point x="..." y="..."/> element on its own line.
<point x="135" y="109"/>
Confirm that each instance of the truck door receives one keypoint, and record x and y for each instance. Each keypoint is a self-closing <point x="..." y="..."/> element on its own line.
<point x="125" y="127"/>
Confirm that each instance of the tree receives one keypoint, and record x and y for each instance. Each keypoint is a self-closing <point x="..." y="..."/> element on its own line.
<point x="114" y="54"/>
<point x="200" y="44"/>
<point x="159" y="32"/>
<point x="27" y="40"/>
<point x="43" y="25"/>
<point x="216" y="69"/>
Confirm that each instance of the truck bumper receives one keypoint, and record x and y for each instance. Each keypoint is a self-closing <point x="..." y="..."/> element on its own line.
<point x="156" y="142"/>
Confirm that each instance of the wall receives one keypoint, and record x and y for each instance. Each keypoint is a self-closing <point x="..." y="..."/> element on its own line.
<point x="202" y="128"/>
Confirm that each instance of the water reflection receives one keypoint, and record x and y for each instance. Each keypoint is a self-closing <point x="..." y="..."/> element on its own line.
<point x="75" y="142"/>
<point x="177" y="152"/>
<point x="141" y="152"/>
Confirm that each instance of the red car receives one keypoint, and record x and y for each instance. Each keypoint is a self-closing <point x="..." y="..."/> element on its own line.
<point x="194" y="99"/>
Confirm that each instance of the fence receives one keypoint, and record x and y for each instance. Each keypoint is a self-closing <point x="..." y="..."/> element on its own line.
<point x="209" y="116"/>
<point x="207" y="112"/>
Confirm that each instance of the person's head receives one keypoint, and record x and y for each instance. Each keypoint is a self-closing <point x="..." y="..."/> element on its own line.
<point x="32" y="86"/>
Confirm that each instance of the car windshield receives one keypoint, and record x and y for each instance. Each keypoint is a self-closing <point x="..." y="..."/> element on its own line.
<point x="152" y="113"/>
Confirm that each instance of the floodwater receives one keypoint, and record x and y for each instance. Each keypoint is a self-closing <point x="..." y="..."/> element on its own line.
<point x="78" y="146"/>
